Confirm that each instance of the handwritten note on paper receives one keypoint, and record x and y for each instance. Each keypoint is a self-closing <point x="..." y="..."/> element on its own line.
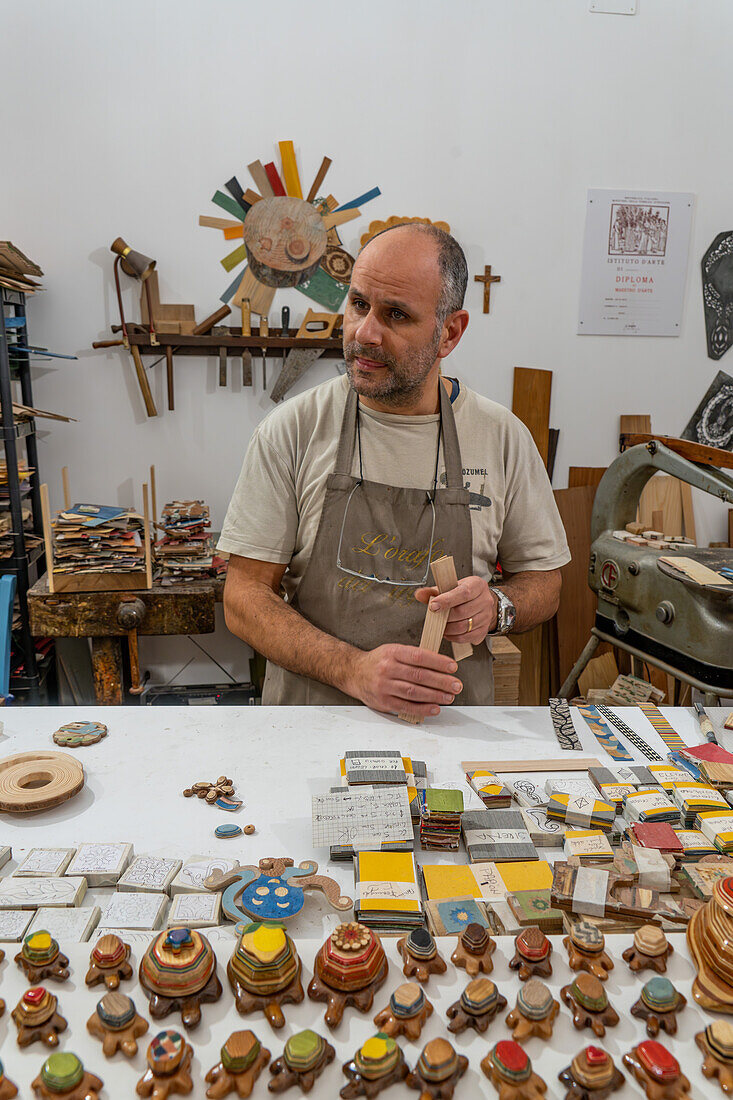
<point x="361" y="816"/>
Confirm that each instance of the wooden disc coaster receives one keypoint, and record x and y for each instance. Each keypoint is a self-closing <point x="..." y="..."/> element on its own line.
<point x="33" y="781"/>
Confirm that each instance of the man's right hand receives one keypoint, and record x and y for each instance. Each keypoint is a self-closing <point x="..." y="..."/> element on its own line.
<point x="403" y="679"/>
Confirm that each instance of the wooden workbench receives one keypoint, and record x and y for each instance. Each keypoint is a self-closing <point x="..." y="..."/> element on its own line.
<point x="178" y="609"/>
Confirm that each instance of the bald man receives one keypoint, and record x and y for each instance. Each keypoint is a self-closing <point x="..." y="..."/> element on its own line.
<point x="350" y="490"/>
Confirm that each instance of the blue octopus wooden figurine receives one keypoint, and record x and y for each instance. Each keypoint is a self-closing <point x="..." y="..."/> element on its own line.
<point x="274" y="890"/>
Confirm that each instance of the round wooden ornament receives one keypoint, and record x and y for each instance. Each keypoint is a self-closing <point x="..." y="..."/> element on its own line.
<point x="76" y="735"/>
<point x="285" y="240"/>
<point x="33" y="781"/>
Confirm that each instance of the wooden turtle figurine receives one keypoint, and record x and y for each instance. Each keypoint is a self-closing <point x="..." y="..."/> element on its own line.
<point x="591" y="1075"/>
<point x="716" y="1044"/>
<point x="587" y="1000"/>
<point x="41" y="959"/>
<point x="169" y="1067"/>
<point x="118" y="1024"/>
<point x="178" y="974"/>
<point x="304" y="1059"/>
<point x="476" y="1007"/>
<point x="532" y="951"/>
<point x="420" y="955"/>
<point x="534" y="1012"/>
<point x="586" y="950"/>
<point x="657" y="1071"/>
<point x="264" y="972"/>
<point x="509" y="1069"/>
<point x="377" y="1064"/>
<point x="407" y="1011"/>
<point x="438" y="1071"/>
<point x="650" y="950"/>
<point x="349" y="968"/>
<point x="109" y="962"/>
<point x="243" y="1059"/>
<point x="659" y="1004"/>
<point x="474" y="950"/>
<point x="37" y="1017"/>
<point x="63" y="1074"/>
<point x="8" y="1088"/>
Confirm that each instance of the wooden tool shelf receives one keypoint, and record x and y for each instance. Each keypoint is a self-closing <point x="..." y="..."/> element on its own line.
<point x="233" y="341"/>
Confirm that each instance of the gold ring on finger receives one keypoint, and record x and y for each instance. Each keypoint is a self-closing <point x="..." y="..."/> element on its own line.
<point x="470" y="626"/>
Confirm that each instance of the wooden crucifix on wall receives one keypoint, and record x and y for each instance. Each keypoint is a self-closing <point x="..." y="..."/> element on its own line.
<point x="487" y="279"/>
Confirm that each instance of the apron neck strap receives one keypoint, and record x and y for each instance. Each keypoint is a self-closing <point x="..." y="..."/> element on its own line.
<point x="451" y="447"/>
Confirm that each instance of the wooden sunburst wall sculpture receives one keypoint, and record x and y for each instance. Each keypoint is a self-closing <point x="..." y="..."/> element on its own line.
<point x="286" y="240"/>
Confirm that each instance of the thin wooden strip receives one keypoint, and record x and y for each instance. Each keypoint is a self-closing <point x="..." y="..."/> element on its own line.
<point x="696" y="571"/>
<point x="259" y="175"/>
<point x="146" y="536"/>
<point x="234" y="188"/>
<point x="218" y="223"/>
<point x="320" y="176"/>
<point x="233" y="258"/>
<point x="360" y="200"/>
<point x="688" y="512"/>
<point x="274" y="177"/>
<point x="227" y="203"/>
<point x="561" y="764"/>
<point x="233" y="233"/>
<point x="47" y="542"/>
<point x="531" y="403"/>
<point x="340" y="217"/>
<point x="291" y="177"/>
<point x="446" y="578"/>
<point x="251" y="196"/>
<point x="432" y="635"/>
<point x="695" y="452"/>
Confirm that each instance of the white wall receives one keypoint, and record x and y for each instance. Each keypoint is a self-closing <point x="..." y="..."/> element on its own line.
<point x="126" y="116"/>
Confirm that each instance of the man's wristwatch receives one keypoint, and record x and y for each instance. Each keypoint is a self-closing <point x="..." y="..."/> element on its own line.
<point x="506" y="612"/>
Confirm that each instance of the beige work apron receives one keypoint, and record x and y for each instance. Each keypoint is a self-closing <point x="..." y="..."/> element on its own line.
<point x="386" y="532"/>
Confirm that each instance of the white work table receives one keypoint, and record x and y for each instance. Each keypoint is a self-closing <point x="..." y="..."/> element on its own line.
<point x="278" y="758"/>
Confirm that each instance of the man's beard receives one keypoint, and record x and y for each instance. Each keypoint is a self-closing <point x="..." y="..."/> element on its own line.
<point x="402" y="380"/>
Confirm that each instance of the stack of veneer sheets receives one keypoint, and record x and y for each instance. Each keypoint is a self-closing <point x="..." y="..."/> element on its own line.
<point x="650" y="805"/>
<point x="697" y="798"/>
<point x="185" y="552"/>
<point x="578" y="808"/>
<point x="494" y="794"/>
<point x="718" y="829"/>
<point x="440" y="819"/>
<point x="387" y="894"/>
<point x="497" y="836"/>
<point x="96" y="538"/>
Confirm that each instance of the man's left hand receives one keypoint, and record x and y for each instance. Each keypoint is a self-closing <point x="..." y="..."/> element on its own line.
<point x="472" y="609"/>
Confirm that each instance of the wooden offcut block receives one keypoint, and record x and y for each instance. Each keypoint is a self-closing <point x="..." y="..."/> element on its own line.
<point x="531" y="403"/>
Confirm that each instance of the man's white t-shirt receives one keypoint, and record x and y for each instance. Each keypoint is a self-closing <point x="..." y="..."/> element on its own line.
<point x="276" y="505"/>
